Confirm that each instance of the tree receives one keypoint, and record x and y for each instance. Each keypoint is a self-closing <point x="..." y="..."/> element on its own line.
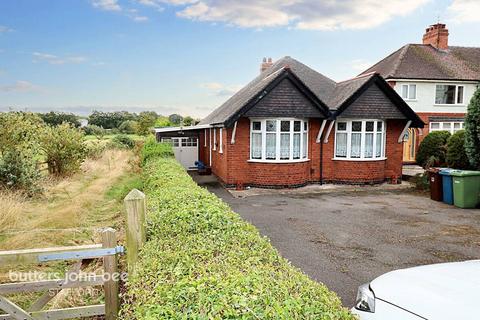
<point x="110" y="120"/>
<point x="456" y="156"/>
<point x="129" y="127"/>
<point x="432" y="150"/>
<point x="175" y="119"/>
<point x="94" y="130"/>
<point x="55" y="118"/>
<point x="64" y="149"/>
<point x="146" y="121"/>
<point x="189" y="121"/>
<point x="162" y="122"/>
<point x="472" y="131"/>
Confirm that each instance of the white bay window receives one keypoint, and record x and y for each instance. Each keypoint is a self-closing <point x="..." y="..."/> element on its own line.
<point x="360" y="139"/>
<point x="278" y="140"/>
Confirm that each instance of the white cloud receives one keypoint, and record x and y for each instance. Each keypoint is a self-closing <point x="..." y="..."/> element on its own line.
<point x="4" y="29"/>
<point x="107" y="5"/>
<point x="464" y="11"/>
<point x="140" y="18"/>
<point x="301" y="14"/>
<point x="53" y="59"/>
<point x="20" y="86"/>
<point x="219" y="89"/>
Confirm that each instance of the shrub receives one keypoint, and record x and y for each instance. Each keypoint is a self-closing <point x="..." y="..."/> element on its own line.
<point x="202" y="261"/>
<point x="432" y="150"/>
<point x="472" y="131"/>
<point x="456" y="156"/>
<point x="19" y="171"/>
<point x="128" y="127"/>
<point x="19" y="149"/>
<point x="94" y="149"/>
<point x="94" y="130"/>
<point x="64" y="149"/>
<point x="123" y="141"/>
<point x="19" y="131"/>
<point x="152" y="149"/>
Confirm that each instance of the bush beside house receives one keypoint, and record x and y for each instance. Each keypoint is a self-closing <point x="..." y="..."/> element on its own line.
<point x="472" y="131"/>
<point x="202" y="261"/>
<point x="456" y="155"/>
<point x="433" y="149"/>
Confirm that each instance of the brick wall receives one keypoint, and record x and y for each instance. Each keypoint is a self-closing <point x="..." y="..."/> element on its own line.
<point x="425" y="116"/>
<point x="233" y="168"/>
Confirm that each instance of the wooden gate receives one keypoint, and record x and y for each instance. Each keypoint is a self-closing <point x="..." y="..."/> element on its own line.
<point x="108" y="250"/>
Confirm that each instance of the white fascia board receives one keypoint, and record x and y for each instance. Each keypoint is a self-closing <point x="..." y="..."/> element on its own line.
<point x="432" y="80"/>
<point x="171" y="129"/>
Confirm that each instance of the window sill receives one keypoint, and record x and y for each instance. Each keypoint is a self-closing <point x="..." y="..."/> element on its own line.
<point x="278" y="161"/>
<point x="360" y="159"/>
<point x="449" y="105"/>
<point x="410" y="100"/>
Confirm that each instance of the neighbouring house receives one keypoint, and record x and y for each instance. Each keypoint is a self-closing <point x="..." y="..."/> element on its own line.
<point x="435" y="79"/>
<point x="292" y="126"/>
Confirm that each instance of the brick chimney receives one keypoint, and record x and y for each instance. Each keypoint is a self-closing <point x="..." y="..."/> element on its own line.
<point x="266" y="63"/>
<point x="437" y="36"/>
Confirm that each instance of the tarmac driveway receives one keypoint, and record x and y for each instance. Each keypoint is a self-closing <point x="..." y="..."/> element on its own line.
<point x="347" y="238"/>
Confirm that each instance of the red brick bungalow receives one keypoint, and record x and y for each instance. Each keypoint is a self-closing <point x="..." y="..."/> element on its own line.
<point x="292" y="126"/>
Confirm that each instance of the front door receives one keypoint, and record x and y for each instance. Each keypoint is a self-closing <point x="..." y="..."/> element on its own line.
<point x="185" y="150"/>
<point x="409" y="147"/>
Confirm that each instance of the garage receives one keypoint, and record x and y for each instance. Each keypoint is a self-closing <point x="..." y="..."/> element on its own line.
<point x="185" y="142"/>
<point x="185" y="150"/>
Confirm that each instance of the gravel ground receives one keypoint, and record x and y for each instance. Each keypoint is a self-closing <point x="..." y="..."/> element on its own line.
<point x="346" y="238"/>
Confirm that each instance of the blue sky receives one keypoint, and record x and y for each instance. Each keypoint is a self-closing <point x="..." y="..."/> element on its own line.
<point x="188" y="56"/>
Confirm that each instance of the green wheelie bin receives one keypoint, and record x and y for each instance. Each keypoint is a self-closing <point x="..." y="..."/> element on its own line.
<point x="466" y="188"/>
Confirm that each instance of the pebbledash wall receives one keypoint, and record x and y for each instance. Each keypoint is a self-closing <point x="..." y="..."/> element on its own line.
<point x="234" y="169"/>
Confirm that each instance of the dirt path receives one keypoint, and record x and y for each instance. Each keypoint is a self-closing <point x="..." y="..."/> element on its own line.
<point x="77" y="205"/>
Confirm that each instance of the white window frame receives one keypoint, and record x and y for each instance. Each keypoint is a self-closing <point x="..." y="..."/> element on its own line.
<point x="220" y="149"/>
<point x="214" y="139"/>
<point x="278" y="132"/>
<point x="408" y="87"/>
<point x="442" y="123"/>
<point x="362" y="139"/>
<point x="456" y="103"/>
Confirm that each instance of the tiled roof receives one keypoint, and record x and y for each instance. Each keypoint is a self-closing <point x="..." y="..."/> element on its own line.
<point x="320" y="85"/>
<point x="332" y="94"/>
<point x="418" y="61"/>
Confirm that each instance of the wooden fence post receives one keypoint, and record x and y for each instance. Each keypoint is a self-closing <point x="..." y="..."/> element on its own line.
<point x="136" y="208"/>
<point x="110" y="270"/>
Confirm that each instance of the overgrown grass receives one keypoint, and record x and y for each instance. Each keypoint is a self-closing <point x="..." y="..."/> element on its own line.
<point x="12" y="206"/>
<point x="71" y="212"/>
<point x="124" y="185"/>
<point x="202" y="261"/>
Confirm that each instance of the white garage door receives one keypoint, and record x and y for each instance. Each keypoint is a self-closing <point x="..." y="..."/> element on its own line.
<point x="185" y="150"/>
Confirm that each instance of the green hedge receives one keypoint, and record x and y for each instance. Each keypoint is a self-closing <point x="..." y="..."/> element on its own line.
<point x="433" y="149"/>
<point x="456" y="155"/>
<point x="202" y="261"/>
<point x="153" y="149"/>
